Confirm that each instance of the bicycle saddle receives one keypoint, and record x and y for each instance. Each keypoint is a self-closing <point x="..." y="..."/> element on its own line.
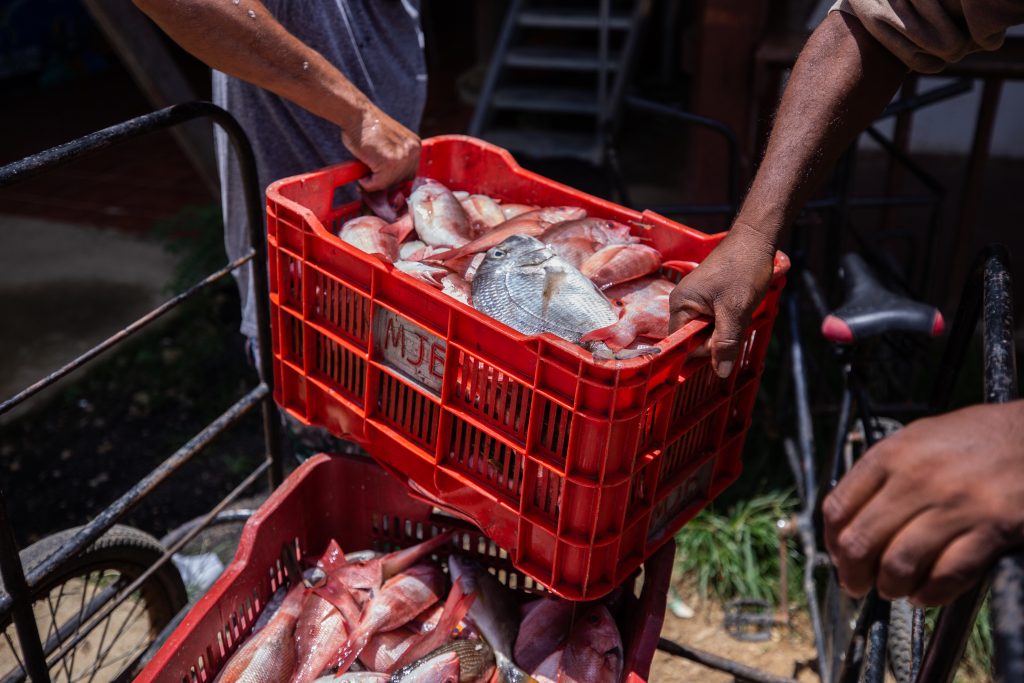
<point x="869" y="309"/>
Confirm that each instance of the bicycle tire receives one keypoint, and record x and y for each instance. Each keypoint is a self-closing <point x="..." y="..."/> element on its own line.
<point x="901" y="640"/>
<point x="116" y="559"/>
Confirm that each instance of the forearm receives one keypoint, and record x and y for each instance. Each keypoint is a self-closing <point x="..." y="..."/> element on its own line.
<point x="245" y="41"/>
<point x="840" y="83"/>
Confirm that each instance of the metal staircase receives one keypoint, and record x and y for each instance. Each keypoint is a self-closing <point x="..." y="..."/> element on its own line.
<point x="555" y="84"/>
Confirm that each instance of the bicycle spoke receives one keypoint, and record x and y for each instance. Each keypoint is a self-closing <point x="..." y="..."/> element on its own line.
<point x="54" y="626"/>
<point x="78" y="625"/>
<point x="14" y="650"/>
<point x="103" y="638"/>
<point x="101" y="657"/>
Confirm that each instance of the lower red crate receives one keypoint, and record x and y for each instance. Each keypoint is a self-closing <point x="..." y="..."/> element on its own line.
<point x="354" y="501"/>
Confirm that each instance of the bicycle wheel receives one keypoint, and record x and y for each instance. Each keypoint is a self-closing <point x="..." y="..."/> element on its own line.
<point x="65" y="605"/>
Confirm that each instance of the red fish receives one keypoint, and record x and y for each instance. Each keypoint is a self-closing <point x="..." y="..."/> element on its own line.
<point x="541" y="632"/>
<point x="439" y="218"/>
<point x="512" y="210"/>
<point x="455" y="608"/>
<point x="368" y="575"/>
<point x="601" y="231"/>
<point x="372" y="235"/>
<point x="618" y="263"/>
<point x="329" y="612"/>
<point x="593" y="653"/>
<point x="645" y="311"/>
<point x="533" y="223"/>
<point x="269" y="656"/>
<point x="399" y="600"/>
<point x="547" y="671"/>
<point x="483" y="212"/>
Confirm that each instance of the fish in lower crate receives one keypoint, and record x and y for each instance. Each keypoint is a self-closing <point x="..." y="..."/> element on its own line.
<point x="368" y="618"/>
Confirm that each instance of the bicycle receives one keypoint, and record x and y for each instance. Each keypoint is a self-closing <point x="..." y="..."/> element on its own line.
<point x="854" y="639"/>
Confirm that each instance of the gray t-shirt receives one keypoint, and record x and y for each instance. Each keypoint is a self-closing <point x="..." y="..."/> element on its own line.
<point x="377" y="44"/>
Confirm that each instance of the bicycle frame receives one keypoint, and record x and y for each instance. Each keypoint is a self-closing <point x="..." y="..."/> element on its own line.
<point x="18" y="601"/>
<point x="987" y="294"/>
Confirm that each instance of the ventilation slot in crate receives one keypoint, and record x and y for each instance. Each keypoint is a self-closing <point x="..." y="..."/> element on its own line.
<point x="493" y="396"/>
<point x="691" y="491"/>
<point x="340" y="308"/>
<point x="345" y="369"/>
<point x="688" y="448"/>
<point x="408" y="410"/>
<point x="555" y="426"/>
<point x="291" y="281"/>
<point x="291" y="348"/>
<point x="649" y="424"/>
<point x="545" y="498"/>
<point x="485" y="459"/>
<point x="702" y="386"/>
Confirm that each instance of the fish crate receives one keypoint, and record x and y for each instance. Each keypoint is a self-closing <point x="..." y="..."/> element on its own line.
<point x="579" y="468"/>
<point x="352" y="500"/>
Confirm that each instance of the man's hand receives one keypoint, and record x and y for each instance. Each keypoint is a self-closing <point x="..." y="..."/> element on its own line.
<point x="926" y="511"/>
<point x="727" y="286"/>
<point x="389" y="149"/>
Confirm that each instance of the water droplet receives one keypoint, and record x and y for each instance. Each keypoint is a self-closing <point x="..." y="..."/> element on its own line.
<point x="236" y="1"/>
<point x="305" y="66"/>
<point x="252" y="14"/>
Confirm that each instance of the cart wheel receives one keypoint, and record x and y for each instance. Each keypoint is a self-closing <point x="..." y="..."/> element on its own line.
<point x="65" y="605"/>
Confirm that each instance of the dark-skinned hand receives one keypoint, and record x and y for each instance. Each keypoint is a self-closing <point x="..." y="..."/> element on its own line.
<point x="728" y="286"/>
<point x="926" y="511"/>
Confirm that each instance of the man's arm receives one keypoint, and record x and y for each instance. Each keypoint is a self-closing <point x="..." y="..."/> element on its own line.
<point x="244" y="40"/>
<point x="842" y="80"/>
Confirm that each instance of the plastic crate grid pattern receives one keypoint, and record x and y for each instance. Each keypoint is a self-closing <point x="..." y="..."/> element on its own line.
<point x="579" y="470"/>
<point x="389" y="519"/>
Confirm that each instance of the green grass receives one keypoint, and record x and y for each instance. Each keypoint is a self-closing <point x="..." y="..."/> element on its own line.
<point x="736" y="553"/>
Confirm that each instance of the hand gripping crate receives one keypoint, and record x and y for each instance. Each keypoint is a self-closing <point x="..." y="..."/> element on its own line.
<point x="352" y="500"/>
<point x="581" y="470"/>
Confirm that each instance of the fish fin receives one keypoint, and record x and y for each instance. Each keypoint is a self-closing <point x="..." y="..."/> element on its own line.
<point x="444" y="256"/>
<point x="378" y="203"/>
<point x="337" y="593"/>
<point x="400" y="560"/>
<point x="455" y="608"/>
<point x="399" y="228"/>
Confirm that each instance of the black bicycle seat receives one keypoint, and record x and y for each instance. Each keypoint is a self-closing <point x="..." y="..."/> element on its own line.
<point x="869" y="309"/>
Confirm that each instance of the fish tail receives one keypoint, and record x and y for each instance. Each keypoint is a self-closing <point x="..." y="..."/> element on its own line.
<point x="508" y="672"/>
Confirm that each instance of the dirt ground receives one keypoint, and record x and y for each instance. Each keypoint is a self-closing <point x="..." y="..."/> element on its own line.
<point x="787" y="653"/>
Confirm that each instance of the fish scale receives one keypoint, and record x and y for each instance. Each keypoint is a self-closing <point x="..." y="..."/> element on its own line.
<point x="525" y="285"/>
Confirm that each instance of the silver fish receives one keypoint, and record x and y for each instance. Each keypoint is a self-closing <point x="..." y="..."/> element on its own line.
<point x="523" y="284"/>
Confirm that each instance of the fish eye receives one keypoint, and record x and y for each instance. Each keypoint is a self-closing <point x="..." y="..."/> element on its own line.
<point x="497" y="253"/>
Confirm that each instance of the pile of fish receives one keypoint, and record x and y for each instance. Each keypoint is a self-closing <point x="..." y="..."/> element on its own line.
<point x="537" y="269"/>
<point x="372" y="618"/>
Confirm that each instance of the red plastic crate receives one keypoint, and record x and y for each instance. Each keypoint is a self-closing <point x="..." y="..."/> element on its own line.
<point x="354" y="501"/>
<point x="581" y="470"/>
